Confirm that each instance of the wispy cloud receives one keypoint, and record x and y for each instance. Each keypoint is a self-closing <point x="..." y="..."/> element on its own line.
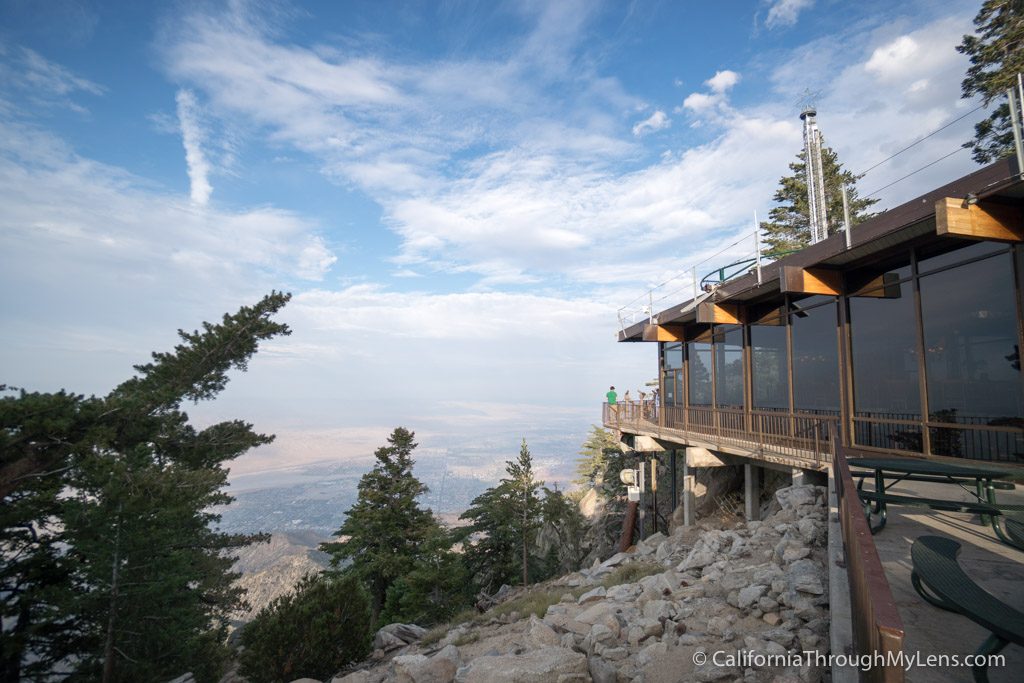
<point x="41" y="81"/>
<point x="659" y="120"/>
<point x="784" y="13"/>
<point x="192" y="139"/>
<point x="75" y="231"/>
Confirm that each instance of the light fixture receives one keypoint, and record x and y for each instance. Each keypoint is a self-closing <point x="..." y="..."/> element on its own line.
<point x="970" y="200"/>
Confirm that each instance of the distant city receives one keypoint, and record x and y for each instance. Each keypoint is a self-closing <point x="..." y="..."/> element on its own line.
<point x="316" y="497"/>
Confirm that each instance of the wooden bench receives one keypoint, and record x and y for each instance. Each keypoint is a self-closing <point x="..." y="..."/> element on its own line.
<point x="938" y="578"/>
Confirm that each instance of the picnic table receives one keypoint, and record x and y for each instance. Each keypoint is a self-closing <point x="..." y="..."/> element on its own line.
<point x="980" y="482"/>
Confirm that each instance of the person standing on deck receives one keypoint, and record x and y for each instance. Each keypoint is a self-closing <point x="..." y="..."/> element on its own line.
<point x="612" y="397"/>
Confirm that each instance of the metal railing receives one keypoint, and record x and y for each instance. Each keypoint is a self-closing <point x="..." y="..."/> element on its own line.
<point x="799" y="436"/>
<point x="877" y="627"/>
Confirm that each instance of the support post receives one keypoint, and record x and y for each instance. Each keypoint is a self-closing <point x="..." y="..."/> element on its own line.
<point x="799" y="477"/>
<point x="1013" y="94"/>
<point x="673" y="492"/>
<point x="846" y="216"/>
<point x="752" y="492"/>
<point x="689" y="483"/>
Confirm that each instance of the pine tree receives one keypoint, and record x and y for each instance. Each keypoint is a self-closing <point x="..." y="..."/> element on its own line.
<point x="525" y="503"/>
<point x="788" y="226"/>
<point x="311" y="632"/>
<point x="386" y="527"/>
<point x="489" y="541"/>
<point x="563" y="518"/>
<point x="506" y="519"/>
<point x="593" y="456"/>
<point x="141" y="588"/>
<point x="997" y="56"/>
<point x="436" y="589"/>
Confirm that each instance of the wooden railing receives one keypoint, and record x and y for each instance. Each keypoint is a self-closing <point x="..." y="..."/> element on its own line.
<point x="801" y="436"/>
<point x="877" y="627"/>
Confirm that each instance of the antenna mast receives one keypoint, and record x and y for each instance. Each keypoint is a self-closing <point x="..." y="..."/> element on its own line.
<point x="815" y="176"/>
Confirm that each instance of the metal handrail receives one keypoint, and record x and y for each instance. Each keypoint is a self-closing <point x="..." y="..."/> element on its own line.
<point x="877" y="627"/>
<point x="799" y="436"/>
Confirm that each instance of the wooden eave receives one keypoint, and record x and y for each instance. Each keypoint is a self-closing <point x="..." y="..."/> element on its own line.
<point x="997" y="183"/>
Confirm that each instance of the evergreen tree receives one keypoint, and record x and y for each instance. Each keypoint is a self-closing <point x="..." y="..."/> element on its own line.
<point x="386" y="527"/>
<point x="436" y="589"/>
<point x="997" y="56"/>
<point x="36" y="428"/>
<point x="141" y="587"/>
<point x="309" y="633"/>
<point x="506" y="519"/>
<point x="788" y="226"/>
<point x="563" y="518"/>
<point x="590" y="465"/>
<point x="525" y="504"/>
<point x="489" y="541"/>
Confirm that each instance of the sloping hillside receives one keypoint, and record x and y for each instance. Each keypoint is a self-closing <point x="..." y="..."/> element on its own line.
<point x="272" y="569"/>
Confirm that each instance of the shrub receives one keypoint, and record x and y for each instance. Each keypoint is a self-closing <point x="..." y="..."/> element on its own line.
<point x="313" y="632"/>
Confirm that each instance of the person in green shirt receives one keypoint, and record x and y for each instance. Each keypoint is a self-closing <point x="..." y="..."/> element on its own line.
<point x="612" y="396"/>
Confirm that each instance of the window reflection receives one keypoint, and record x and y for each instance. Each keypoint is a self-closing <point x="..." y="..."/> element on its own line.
<point x="699" y="373"/>
<point x="815" y="360"/>
<point x="729" y="367"/>
<point x="972" y="359"/>
<point x="885" y="366"/>
<point x="769" y="368"/>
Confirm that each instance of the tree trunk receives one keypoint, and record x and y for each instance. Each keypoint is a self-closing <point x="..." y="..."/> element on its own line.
<point x="526" y="571"/>
<point x="108" y="646"/>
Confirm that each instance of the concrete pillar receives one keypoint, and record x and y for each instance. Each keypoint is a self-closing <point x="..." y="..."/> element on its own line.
<point x="799" y="477"/>
<point x="752" y="491"/>
<point x="689" y="483"/>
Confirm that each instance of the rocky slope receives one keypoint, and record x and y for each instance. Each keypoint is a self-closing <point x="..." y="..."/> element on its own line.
<point x="272" y="569"/>
<point x="754" y="589"/>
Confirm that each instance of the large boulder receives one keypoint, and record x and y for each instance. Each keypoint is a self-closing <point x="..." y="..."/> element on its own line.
<point x="394" y="636"/>
<point x="537" y="666"/>
<point x="439" y="668"/>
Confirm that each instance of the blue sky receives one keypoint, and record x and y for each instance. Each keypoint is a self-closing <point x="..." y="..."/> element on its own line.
<point x="460" y="195"/>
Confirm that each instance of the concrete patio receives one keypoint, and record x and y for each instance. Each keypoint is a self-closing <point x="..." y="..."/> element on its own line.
<point x="997" y="567"/>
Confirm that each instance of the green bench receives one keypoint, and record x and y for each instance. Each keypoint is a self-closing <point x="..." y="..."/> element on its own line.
<point x="1015" y="530"/>
<point x="938" y="578"/>
<point x="990" y="513"/>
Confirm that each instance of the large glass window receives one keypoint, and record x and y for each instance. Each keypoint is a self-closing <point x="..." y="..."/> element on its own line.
<point x="729" y="367"/>
<point x="699" y="366"/>
<point x="769" y="368"/>
<point x="672" y="364"/>
<point x="972" y="358"/>
<point x="815" y="359"/>
<point x="885" y="366"/>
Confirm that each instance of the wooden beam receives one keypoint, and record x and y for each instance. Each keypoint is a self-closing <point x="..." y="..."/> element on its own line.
<point x="663" y="333"/>
<point x="981" y="221"/>
<point x="884" y="286"/>
<point x="798" y="280"/>
<point x="719" y="314"/>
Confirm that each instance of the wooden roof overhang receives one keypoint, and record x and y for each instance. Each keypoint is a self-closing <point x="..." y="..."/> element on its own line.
<point x="985" y="205"/>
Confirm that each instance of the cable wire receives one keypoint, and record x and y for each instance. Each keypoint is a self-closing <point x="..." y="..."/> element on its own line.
<point x="937" y="130"/>
<point x="946" y="156"/>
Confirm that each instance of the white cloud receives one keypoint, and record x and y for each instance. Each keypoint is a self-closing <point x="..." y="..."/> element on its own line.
<point x="78" y="233"/>
<point x="41" y="81"/>
<point x="655" y="122"/>
<point x="715" y="102"/>
<point x="786" y="12"/>
<point x="722" y="81"/>
<point x="698" y="101"/>
<point x="192" y="140"/>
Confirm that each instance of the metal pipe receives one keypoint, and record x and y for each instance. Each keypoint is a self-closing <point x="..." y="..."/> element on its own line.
<point x="757" y="247"/>
<point x="846" y="215"/>
<point x="1016" y="97"/>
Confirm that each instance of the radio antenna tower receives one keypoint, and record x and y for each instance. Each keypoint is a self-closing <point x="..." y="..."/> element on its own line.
<point x="815" y="176"/>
